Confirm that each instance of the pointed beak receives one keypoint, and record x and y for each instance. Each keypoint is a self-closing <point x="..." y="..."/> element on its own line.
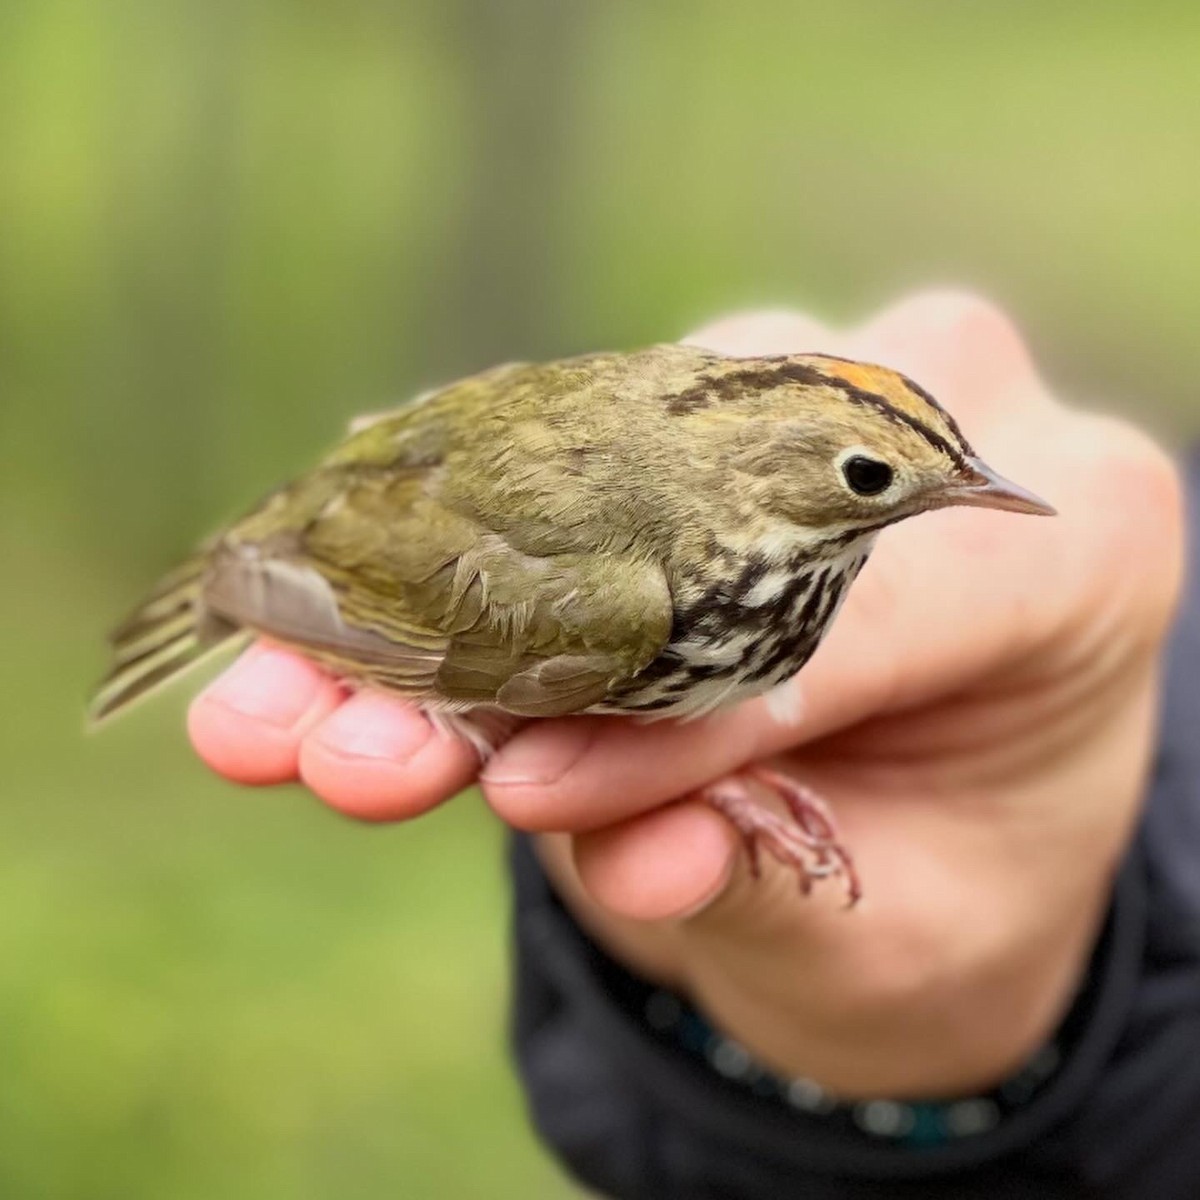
<point x="983" y="488"/>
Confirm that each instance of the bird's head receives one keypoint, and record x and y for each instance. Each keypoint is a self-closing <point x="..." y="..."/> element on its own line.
<point x="843" y="447"/>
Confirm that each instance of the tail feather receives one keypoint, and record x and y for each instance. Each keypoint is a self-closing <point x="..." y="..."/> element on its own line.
<point x="168" y="633"/>
<point x="175" y="592"/>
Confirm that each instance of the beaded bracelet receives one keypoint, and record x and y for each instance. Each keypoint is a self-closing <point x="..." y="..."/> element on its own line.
<point x="915" y="1124"/>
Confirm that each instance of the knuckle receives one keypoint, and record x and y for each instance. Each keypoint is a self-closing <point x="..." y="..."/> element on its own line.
<point x="1138" y="471"/>
<point x="968" y="316"/>
<point x="1140" y="487"/>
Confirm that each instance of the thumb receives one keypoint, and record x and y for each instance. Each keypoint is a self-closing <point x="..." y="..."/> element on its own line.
<point x="683" y="863"/>
<point x="664" y="865"/>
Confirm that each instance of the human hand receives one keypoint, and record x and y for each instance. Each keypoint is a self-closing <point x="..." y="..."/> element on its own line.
<point x="980" y="716"/>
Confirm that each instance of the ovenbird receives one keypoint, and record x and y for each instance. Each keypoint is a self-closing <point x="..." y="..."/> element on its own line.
<point x="656" y="533"/>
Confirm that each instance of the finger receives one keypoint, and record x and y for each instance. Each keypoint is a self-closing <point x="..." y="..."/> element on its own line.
<point x="766" y="332"/>
<point x="959" y="345"/>
<point x="582" y="773"/>
<point x="665" y="865"/>
<point x="378" y="758"/>
<point x="248" y="725"/>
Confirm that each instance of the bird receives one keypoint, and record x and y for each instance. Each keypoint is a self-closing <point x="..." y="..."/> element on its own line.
<point x="658" y="534"/>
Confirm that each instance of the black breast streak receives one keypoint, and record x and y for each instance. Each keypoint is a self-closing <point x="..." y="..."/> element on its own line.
<point x="681" y="683"/>
<point x="701" y="672"/>
<point x="721" y="608"/>
<point x="791" y="653"/>
<point x="779" y="608"/>
<point x="668" y="663"/>
<point x="794" y="636"/>
<point x="808" y="614"/>
<point x="833" y="595"/>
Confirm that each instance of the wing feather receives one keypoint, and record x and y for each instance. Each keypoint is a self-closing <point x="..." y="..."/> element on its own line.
<point x="386" y="586"/>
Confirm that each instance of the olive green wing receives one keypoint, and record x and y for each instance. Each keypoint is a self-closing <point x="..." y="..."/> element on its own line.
<point x="368" y="572"/>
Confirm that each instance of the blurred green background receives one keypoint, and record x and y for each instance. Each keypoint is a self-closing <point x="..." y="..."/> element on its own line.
<point x="224" y="228"/>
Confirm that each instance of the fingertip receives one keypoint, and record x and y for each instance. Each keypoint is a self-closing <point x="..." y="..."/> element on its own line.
<point x="668" y="864"/>
<point x="377" y="758"/>
<point x="249" y="723"/>
<point x="763" y="332"/>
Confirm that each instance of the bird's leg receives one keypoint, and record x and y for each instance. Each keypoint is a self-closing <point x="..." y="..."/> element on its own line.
<point x="806" y="840"/>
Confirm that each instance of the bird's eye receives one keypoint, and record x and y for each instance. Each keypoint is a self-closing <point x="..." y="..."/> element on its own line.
<point x="867" y="476"/>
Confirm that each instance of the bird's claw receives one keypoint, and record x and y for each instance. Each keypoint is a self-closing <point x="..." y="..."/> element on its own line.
<point x="806" y="840"/>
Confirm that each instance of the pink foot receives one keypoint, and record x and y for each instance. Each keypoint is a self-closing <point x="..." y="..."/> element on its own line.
<point x="806" y="840"/>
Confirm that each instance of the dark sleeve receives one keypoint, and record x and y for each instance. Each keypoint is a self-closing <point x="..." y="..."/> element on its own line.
<point x="634" y="1113"/>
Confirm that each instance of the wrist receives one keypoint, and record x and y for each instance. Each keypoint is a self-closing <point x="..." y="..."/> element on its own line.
<point x="933" y="1019"/>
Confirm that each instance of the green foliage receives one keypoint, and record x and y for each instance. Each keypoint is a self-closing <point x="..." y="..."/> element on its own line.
<point x="225" y="227"/>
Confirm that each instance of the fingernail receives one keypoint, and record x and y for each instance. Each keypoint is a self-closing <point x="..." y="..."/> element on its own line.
<point x="374" y="726"/>
<point x="268" y="685"/>
<point x="540" y="756"/>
